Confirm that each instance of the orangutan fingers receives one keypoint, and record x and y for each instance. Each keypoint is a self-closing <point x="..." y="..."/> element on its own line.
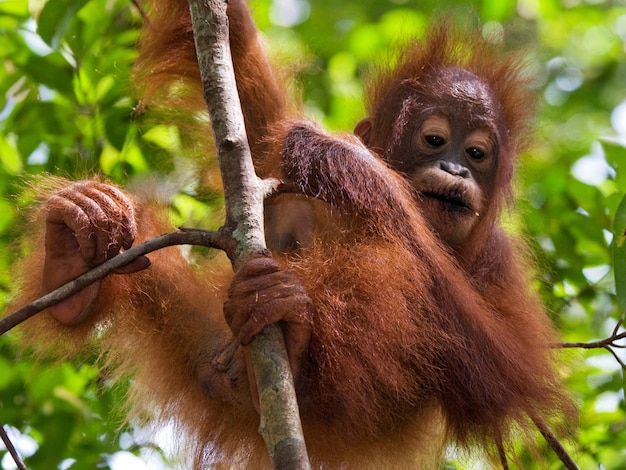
<point x="263" y="274"/>
<point x="99" y="228"/>
<point x="120" y="215"/>
<point x="64" y="211"/>
<point x="265" y="288"/>
<point x="257" y="267"/>
<point x="293" y="310"/>
<point x="100" y="217"/>
<point x="126" y="213"/>
<point x="261" y="293"/>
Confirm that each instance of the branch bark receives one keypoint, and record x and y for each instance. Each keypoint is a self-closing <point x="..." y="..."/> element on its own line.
<point x="11" y="448"/>
<point x="213" y="239"/>
<point x="555" y="444"/>
<point x="244" y="193"/>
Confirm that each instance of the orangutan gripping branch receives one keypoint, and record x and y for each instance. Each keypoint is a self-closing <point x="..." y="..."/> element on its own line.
<point x="408" y="313"/>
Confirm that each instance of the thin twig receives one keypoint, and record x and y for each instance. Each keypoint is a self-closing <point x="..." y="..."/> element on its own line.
<point x="603" y="343"/>
<point x="617" y="358"/>
<point x="555" y="444"/>
<point x="619" y="323"/>
<point x="213" y="239"/>
<point x="502" y="453"/>
<point x="607" y="343"/>
<point x="142" y="12"/>
<point x="11" y="448"/>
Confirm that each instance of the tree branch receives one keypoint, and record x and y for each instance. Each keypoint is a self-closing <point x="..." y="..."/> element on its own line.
<point x="603" y="343"/>
<point x="609" y="344"/>
<point x="555" y="444"/>
<point x="214" y="239"/>
<point x="11" y="448"/>
<point x="244" y="193"/>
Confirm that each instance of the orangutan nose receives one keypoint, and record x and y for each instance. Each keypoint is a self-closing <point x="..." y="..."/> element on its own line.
<point x="454" y="169"/>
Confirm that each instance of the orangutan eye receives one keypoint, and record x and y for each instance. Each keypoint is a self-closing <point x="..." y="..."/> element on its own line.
<point x="475" y="153"/>
<point x="434" y="140"/>
<point x="434" y="133"/>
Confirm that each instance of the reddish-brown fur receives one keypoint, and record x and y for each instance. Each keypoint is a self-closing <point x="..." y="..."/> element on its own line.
<point x="413" y="344"/>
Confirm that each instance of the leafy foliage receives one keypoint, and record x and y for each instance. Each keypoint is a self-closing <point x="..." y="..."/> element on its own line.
<point x="67" y="110"/>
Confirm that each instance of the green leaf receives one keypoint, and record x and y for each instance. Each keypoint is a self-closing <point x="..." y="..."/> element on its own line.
<point x="615" y="154"/>
<point x="52" y="71"/>
<point x="624" y="381"/>
<point x="55" y="19"/>
<point x="18" y="8"/>
<point x="619" y="253"/>
<point x="7" y="373"/>
<point x="9" y="157"/>
<point x="7" y="215"/>
<point x="497" y="10"/>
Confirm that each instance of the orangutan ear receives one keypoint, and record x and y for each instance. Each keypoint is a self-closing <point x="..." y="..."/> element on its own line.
<point x="363" y="130"/>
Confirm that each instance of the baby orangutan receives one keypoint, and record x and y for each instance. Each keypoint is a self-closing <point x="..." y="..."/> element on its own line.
<point x="409" y="316"/>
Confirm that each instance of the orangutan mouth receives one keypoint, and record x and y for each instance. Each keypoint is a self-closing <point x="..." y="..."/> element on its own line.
<point x="451" y="200"/>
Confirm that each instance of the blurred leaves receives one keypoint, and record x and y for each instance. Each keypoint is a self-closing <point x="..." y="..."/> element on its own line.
<point x="619" y="253"/>
<point x="55" y="19"/>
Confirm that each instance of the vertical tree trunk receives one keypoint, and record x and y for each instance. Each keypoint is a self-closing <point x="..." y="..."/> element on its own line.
<point x="244" y="194"/>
